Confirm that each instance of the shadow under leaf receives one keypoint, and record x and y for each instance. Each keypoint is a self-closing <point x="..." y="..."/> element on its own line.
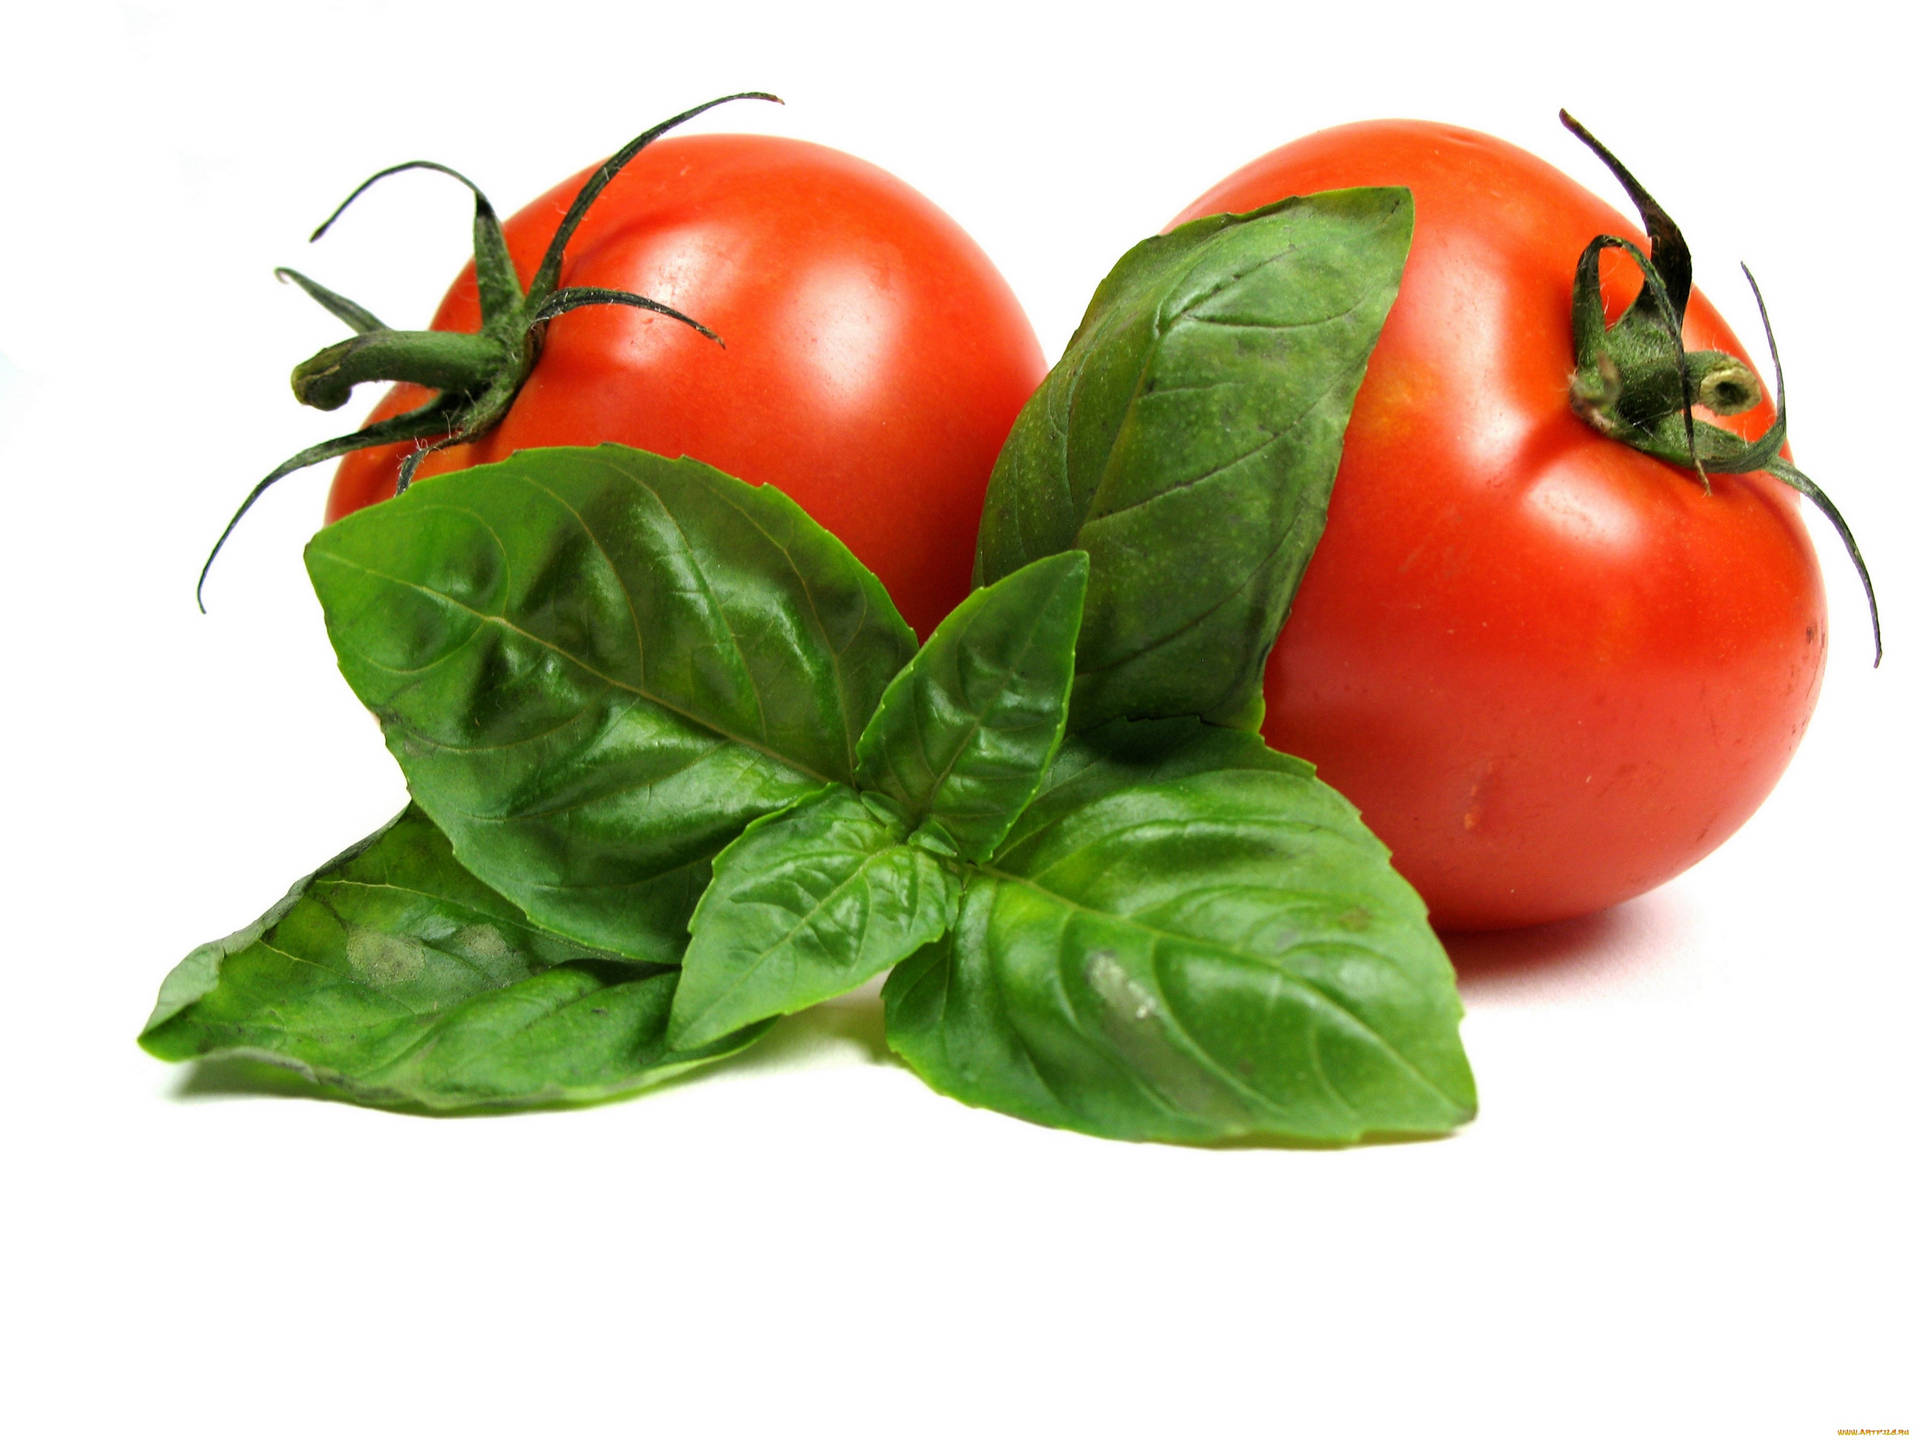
<point x="856" y="1022"/>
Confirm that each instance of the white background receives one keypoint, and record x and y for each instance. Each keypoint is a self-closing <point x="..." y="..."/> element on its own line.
<point x="1688" y="1206"/>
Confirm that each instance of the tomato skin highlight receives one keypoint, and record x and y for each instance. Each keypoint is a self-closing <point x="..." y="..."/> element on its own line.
<point x="1551" y="671"/>
<point x="874" y="358"/>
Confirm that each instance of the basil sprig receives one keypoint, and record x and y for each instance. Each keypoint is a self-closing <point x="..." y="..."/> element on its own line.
<point x="678" y="769"/>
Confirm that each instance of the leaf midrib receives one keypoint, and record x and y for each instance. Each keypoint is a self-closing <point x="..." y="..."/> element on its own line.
<point x="785" y="938"/>
<point x="1160" y="642"/>
<point x="1160" y="326"/>
<point x="1010" y="677"/>
<point x="610" y="681"/>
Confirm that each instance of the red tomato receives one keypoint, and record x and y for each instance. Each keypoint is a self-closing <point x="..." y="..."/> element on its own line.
<point x="1550" y="670"/>
<point x="874" y="358"/>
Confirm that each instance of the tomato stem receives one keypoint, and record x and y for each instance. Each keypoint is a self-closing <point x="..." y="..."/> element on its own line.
<point x="476" y="376"/>
<point x="1636" y="382"/>
<point x="439" y="360"/>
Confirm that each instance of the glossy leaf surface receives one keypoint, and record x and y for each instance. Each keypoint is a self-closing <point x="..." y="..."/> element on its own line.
<point x="1188" y="441"/>
<point x="808" y="904"/>
<point x="395" y="977"/>
<point x="964" y="733"/>
<point x="1188" y="937"/>
<point x="596" y="666"/>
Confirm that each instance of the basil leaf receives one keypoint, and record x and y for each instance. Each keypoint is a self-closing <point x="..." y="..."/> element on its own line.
<point x="1187" y="937"/>
<point x="1188" y="439"/>
<point x="395" y="977"/>
<point x="808" y="904"/>
<point x="596" y="666"/>
<point x="964" y="733"/>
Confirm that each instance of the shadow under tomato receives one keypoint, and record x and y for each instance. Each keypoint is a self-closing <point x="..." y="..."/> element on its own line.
<point x="1589" y="953"/>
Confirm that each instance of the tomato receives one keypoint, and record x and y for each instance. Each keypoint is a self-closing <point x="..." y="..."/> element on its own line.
<point x="873" y="362"/>
<point x="1551" y="671"/>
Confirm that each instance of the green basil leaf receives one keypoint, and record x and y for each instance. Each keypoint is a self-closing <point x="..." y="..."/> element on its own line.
<point x="1187" y="937"/>
<point x="964" y="733"/>
<point x="1188" y="440"/>
<point x="596" y="666"/>
<point x="808" y="904"/>
<point x="395" y="977"/>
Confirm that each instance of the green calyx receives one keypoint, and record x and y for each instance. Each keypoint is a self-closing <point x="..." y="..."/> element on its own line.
<point x="476" y="376"/>
<point x="1636" y="382"/>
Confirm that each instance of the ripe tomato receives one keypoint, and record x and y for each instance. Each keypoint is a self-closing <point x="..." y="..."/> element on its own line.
<point x="1550" y="670"/>
<point x="874" y="359"/>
